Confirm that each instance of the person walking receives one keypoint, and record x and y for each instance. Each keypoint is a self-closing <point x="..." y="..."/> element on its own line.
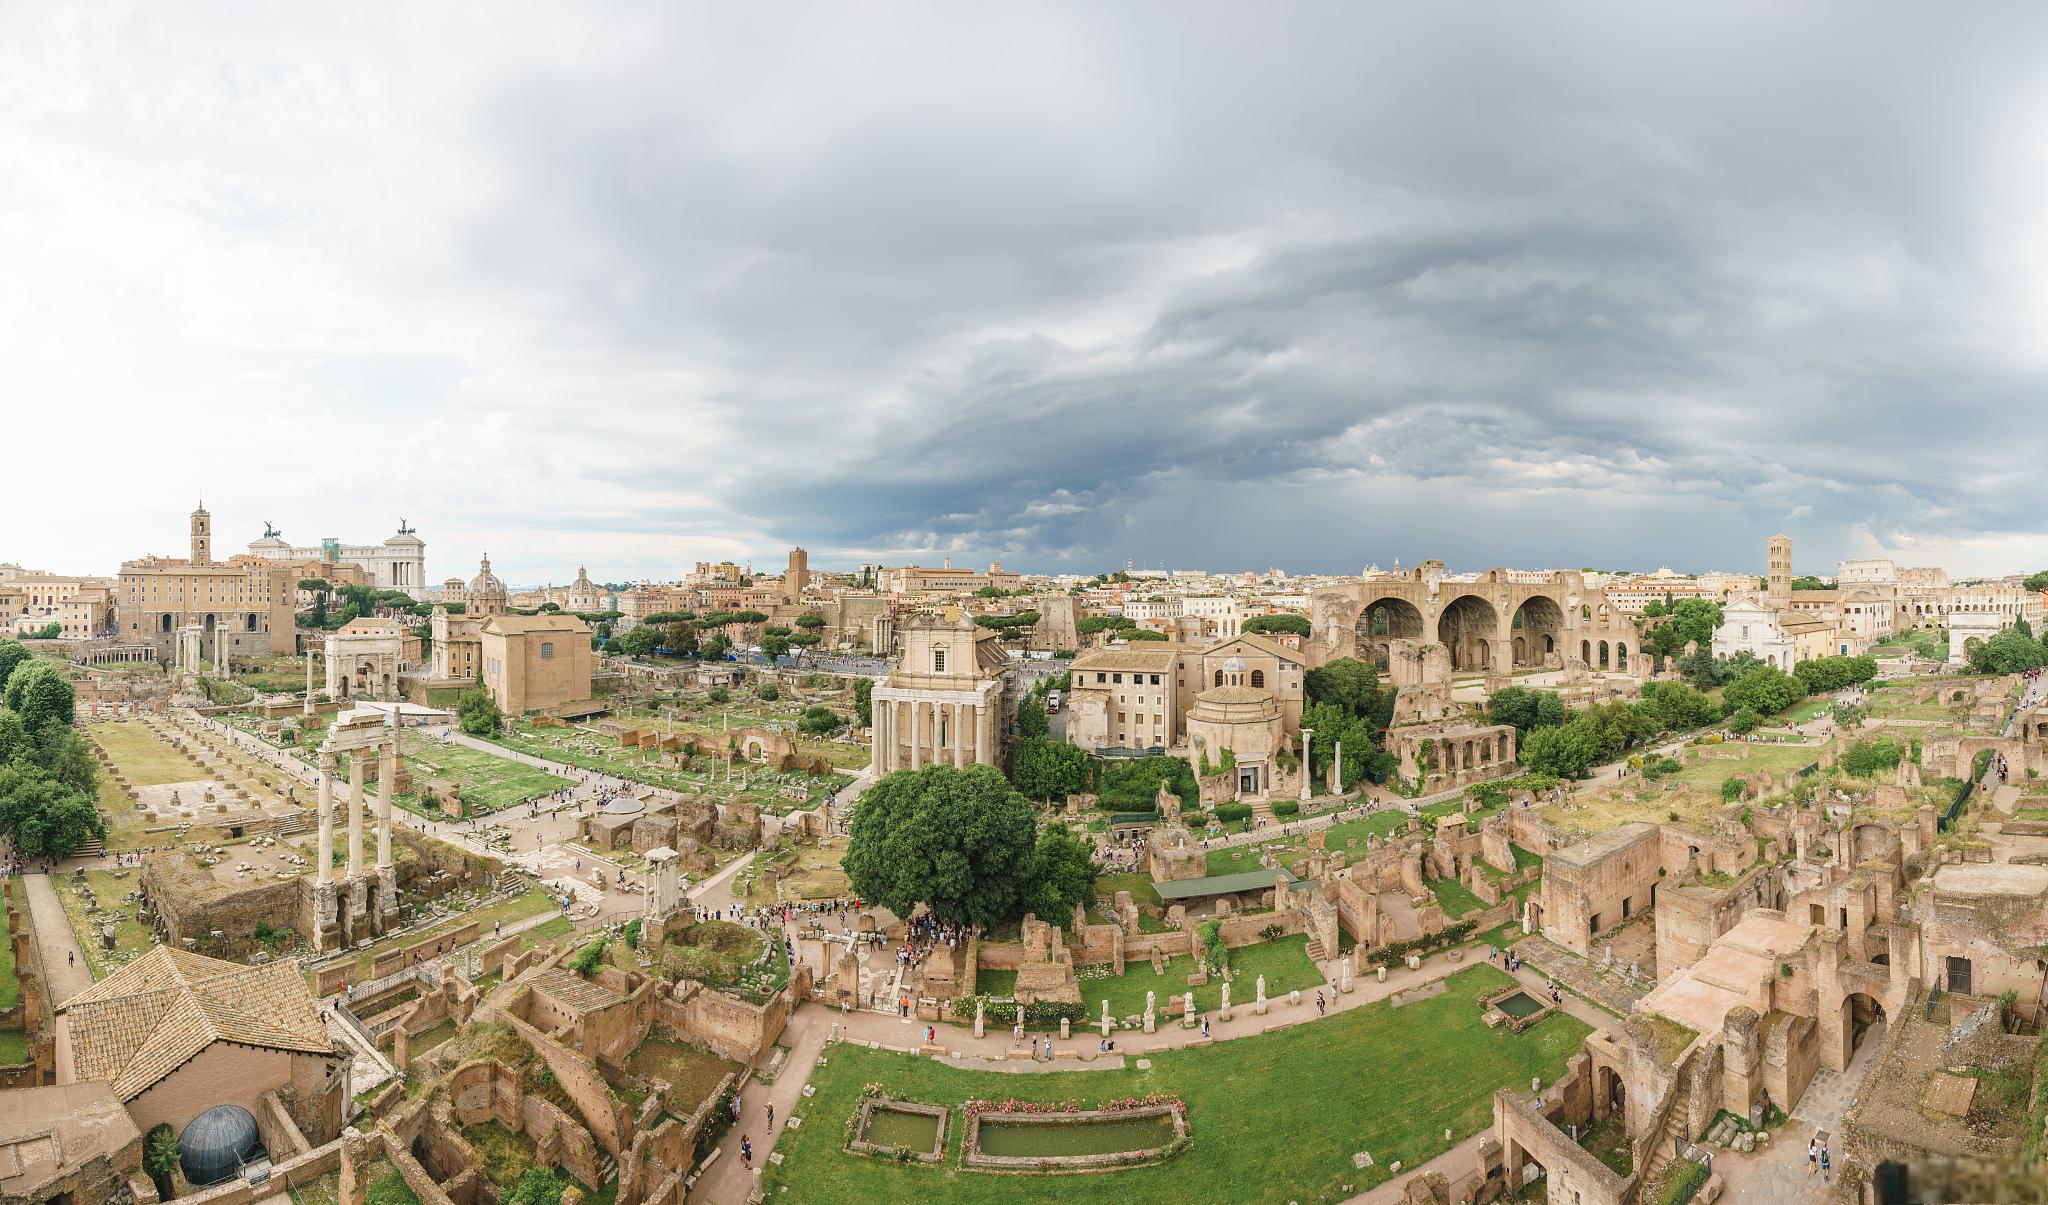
<point x="1812" y="1156"/>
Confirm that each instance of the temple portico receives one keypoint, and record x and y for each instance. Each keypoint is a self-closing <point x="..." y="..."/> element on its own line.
<point x="915" y="728"/>
<point x="943" y="703"/>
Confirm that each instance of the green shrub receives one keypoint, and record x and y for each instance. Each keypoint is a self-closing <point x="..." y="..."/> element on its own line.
<point x="160" y="1158"/>
<point x="538" y="1186"/>
<point x="633" y="934"/>
<point x="768" y="693"/>
<point x="1287" y="807"/>
<point x="588" y="959"/>
<point x="1731" y="789"/>
<point x="718" y="694"/>
<point x="1231" y="813"/>
<point x="1215" y="956"/>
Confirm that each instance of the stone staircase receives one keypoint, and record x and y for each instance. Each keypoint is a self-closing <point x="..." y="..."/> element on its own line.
<point x="91" y="847"/>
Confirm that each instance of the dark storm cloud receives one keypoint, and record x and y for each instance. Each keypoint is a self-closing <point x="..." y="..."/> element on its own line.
<point x="1682" y="272"/>
<point x="1213" y="284"/>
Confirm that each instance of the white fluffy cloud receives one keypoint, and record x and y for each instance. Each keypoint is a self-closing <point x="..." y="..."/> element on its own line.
<point x="1061" y="285"/>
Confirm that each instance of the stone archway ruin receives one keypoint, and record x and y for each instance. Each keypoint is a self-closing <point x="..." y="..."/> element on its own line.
<point x="1382" y="621"/>
<point x="1469" y="627"/>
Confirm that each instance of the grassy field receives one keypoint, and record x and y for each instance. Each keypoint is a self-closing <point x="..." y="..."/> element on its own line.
<point x="489" y="783"/>
<point x="1264" y="1111"/>
<point x="1137" y="882"/>
<point x="1455" y="898"/>
<point x="582" y="749"/>
<point x="138" y="753"/>
<point x="131" y="936"/>
<point x="1707" y="775"/>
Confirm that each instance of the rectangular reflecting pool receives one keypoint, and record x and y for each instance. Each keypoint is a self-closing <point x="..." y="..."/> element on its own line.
<point x="913" y="1131"/>
<point x="1106" y="1136"/>
<point x="1521" y="1006"/>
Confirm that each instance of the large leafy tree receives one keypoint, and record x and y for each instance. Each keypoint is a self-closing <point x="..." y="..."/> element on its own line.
<point x="640" y="641"/>
<point x="2007" y="653"/>
<point x="1348" y="683"/>
<point x="1290" y="625"/>
<point x="1525" y="708"/>
<point x="44" y="815"/>
<point x="1044" y="769"/>
<point x="1332" y="725"/>
<point x="1676" y="707"/>
<point x="1565" y="750"/>
<point x="1694" y="619"/>
<point x="478" y="712"/>
<point x="12" y="654"/>
<point x="1062" y="875"/>
<point x="40" y="693"/>
<point x="863" y="700"/>
<point x="960" y="842"/>
<point x="1766" y="690"/>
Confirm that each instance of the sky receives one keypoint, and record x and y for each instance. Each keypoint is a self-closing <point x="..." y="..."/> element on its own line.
<point x="1200" y="285"/>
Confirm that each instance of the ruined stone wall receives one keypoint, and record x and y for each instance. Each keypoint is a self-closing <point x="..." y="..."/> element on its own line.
<point x="1583" y="900"/>
<point x="725" y="1024"/>
<point x="194" y="907"/>
<point x="391" y="960"/>
<point x="585" y="1086"/>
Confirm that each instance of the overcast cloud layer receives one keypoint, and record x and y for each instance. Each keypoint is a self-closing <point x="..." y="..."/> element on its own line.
<point x="1200" y="285"/>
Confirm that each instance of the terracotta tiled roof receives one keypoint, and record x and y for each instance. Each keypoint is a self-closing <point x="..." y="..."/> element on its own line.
<point x="149" y="1018"/>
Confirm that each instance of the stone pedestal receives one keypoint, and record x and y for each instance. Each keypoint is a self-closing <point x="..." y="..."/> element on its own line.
<point x="1063" y="1029"/>
<point x="326" y="918"/>
<point x="387" y="898"/>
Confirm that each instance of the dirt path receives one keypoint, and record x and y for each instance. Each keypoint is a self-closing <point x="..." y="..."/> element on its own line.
<point x="64" y="962"/>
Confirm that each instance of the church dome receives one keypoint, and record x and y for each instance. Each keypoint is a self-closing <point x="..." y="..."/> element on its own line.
<point x="486" y="582"/>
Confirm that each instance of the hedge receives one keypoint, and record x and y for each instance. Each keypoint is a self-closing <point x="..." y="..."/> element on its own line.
<point x="1004" y="1009"/>
<point x="1287" y="807"/>
<point x="1231" y="813"/>
<point x="1449" y="935"/>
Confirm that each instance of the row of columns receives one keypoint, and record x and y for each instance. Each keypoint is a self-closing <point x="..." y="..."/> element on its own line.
<point x="387" y="770"/>
<point x="964" y="719"/>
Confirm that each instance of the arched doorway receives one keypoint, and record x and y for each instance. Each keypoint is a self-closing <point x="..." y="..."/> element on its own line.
<point x="1384" y="621"/>
<point x="1539" y="622"/>
<point x="1467" y="628"/>
<point x="1603" y="654"/>
<point x="1620" y="655"/>
<point x="1586" y="651"/>
<point x="1861" y="1018"/>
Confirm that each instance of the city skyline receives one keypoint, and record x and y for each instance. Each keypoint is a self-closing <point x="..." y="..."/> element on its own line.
<point x="666" y="284"/>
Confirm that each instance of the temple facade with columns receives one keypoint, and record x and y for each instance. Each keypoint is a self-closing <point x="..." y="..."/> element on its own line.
<point x="943" y="703"/>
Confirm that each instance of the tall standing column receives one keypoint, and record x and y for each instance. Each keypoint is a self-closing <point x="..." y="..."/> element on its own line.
<point x="1306" y="772"/>
<point x="387" y="769"/>
<point x="308" y="710"/>
<point x="916" y="752"/>
<point x="959" y="735"/>
<point x="355" y="811"/>
<point x="323" y="872"/>
<point x="980" y="735"/>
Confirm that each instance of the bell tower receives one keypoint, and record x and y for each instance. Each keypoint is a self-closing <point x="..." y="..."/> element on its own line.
<point x="1778" y="577"/>
<point x="202" y="536"/>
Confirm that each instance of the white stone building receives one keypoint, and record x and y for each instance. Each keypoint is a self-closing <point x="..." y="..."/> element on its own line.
<point x="943" y="703"/>
<point x="399" y="563"/>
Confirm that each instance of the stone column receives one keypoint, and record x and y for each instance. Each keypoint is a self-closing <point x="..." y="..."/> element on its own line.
<point x="355" y="811"/>
<point x="1306" y="772"/>
<point x="878" y="721"/>
<point x="308" y="710"/>
<point x="323" y="872"/>
<point x="959" y="735"/>
<point x="980" y="734"/>
<point x="387" y="769"/>
<point x="916" y="750"/>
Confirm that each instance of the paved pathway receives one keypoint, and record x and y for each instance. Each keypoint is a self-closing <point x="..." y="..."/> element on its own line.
<point x="1776" y="1173"/>
<point x="64" y="962"/>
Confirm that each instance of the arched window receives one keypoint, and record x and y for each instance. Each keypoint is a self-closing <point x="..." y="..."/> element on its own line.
<point x="1219" y="677"/>
<point x="547" y="650"/>
<point x="1258" y="677"/>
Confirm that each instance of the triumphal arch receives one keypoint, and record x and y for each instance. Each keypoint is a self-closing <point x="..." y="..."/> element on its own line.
<point x="1492" y="625"/>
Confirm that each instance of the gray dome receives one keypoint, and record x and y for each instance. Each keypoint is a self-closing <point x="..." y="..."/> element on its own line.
<point x="1234" y="666"/>
<point x="216" y="1143"/>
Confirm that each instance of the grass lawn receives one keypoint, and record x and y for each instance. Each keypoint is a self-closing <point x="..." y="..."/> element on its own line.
<point x="1137" y="882"/>
<point x="13" y="1047"/>
<point x="546" y="931"/>
<point x="138" y="753"/>
<point x="427" y="1039"/>
<point x="131" y="936"/>
<point x="10" y="991"/>
<point x="1455" y="898"/>
<point x="1708" y="775"/>
<point x="1284" y="963"/>
<point x="489" y="783"/>
<point x="1402" y="1077"/>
